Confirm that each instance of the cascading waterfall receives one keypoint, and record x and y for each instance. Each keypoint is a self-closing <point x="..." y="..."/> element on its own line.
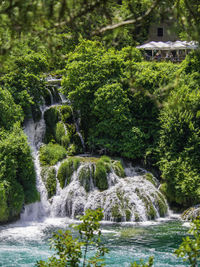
<point x="132" y="197"/>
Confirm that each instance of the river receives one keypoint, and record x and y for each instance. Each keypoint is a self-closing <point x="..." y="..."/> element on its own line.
<point x="24" y="243"/>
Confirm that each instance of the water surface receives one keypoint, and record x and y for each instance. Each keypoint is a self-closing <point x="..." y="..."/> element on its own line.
<point x="24" y="243"/>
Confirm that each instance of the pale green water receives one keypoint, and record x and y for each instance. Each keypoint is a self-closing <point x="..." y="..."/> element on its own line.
<point x="24" y="244"/>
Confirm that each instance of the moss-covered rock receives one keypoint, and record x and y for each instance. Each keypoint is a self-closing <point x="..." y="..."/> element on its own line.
<point x="118" y="168"/>
<point x="151" y="178"/>
<point x="59" y="132"/>
<point x="49" y="179"/>
<point x="100" y="176"/>
<point x="128" y="215"/>
<point x="66" y="170"/>
<point x="50" y="154"/>
<point x="51" y="117"/>
<point x="84" y="176"/>
<point x="116" y="213"/>
<point x="76" y="140"/>
<point x="191" y="213"/>
<point x="66" y="114"/>
<point x="150" y="210"/>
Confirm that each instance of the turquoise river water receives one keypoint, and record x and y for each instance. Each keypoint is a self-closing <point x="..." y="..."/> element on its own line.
<point x="24" y="243"/>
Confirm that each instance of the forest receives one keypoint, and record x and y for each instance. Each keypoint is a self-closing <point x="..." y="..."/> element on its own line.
<point x="146" y="112"/>
<point x="111" y="104"/>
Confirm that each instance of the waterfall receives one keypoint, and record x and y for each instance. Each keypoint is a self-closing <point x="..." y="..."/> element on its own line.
<point x="126" y="199"/>
<point x="35" y="133"/>
<point x="77" y="125"/>
<point x="133" y="196"/>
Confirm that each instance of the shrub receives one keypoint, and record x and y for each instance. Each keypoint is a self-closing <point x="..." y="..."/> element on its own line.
<point x="50" y="154"/>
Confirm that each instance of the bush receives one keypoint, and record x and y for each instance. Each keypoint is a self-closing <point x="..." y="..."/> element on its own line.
<point x="50" y="154"/>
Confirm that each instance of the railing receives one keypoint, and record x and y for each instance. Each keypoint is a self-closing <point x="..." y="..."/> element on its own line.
<point x="167" y="59"/>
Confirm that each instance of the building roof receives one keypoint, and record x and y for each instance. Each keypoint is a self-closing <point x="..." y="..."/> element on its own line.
<point x="178" y="45"/>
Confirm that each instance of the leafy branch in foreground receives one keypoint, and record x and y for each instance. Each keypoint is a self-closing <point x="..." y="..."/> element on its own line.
<point x="189" y="249"/>
<point x="142" y="264"/>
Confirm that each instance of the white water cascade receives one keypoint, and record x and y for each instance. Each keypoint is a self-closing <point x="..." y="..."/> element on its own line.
<point x="132" y="198"/>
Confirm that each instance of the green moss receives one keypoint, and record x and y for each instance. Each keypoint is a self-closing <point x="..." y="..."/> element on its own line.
<point x="60" y="132"/>
<point x="49" y="179"/>
<point x="128" y="215"/>
<point x="71" y="151"/>
<point x="118" y="168"/>
<point x="66" y="170"/>
<point x="66" y="114"/>
<point x="100" y="176"/>
<point x="162" y="207"/>
<point x="150" y="178"/>
<point x="105" y="159"/>
<point x="116" y="214"/>
<point x="151" y="212"/>
<point x="50" y="154"/>
<point x="84" y="177"/>
<point x="137" y="217"/>
<point x="51" y="117"/>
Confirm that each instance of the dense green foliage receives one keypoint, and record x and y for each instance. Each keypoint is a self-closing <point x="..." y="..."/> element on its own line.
<point x="23" y="79"/>
<point x="17" y="174"/>
<point x="10" y="112"/>
<point x="143" y="111"/>
<point x="152" y="108"/>
<point x="179" y="136"/>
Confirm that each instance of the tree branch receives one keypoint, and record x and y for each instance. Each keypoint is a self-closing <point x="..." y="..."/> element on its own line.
<point x="83" y="11"/>
<point x="126" y="22"/>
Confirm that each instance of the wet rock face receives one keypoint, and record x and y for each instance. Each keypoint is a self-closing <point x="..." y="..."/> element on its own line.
<point x="191" y="213"/>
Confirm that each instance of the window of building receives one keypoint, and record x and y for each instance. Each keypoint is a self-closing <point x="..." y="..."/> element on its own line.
<point x="159" y="32"/>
